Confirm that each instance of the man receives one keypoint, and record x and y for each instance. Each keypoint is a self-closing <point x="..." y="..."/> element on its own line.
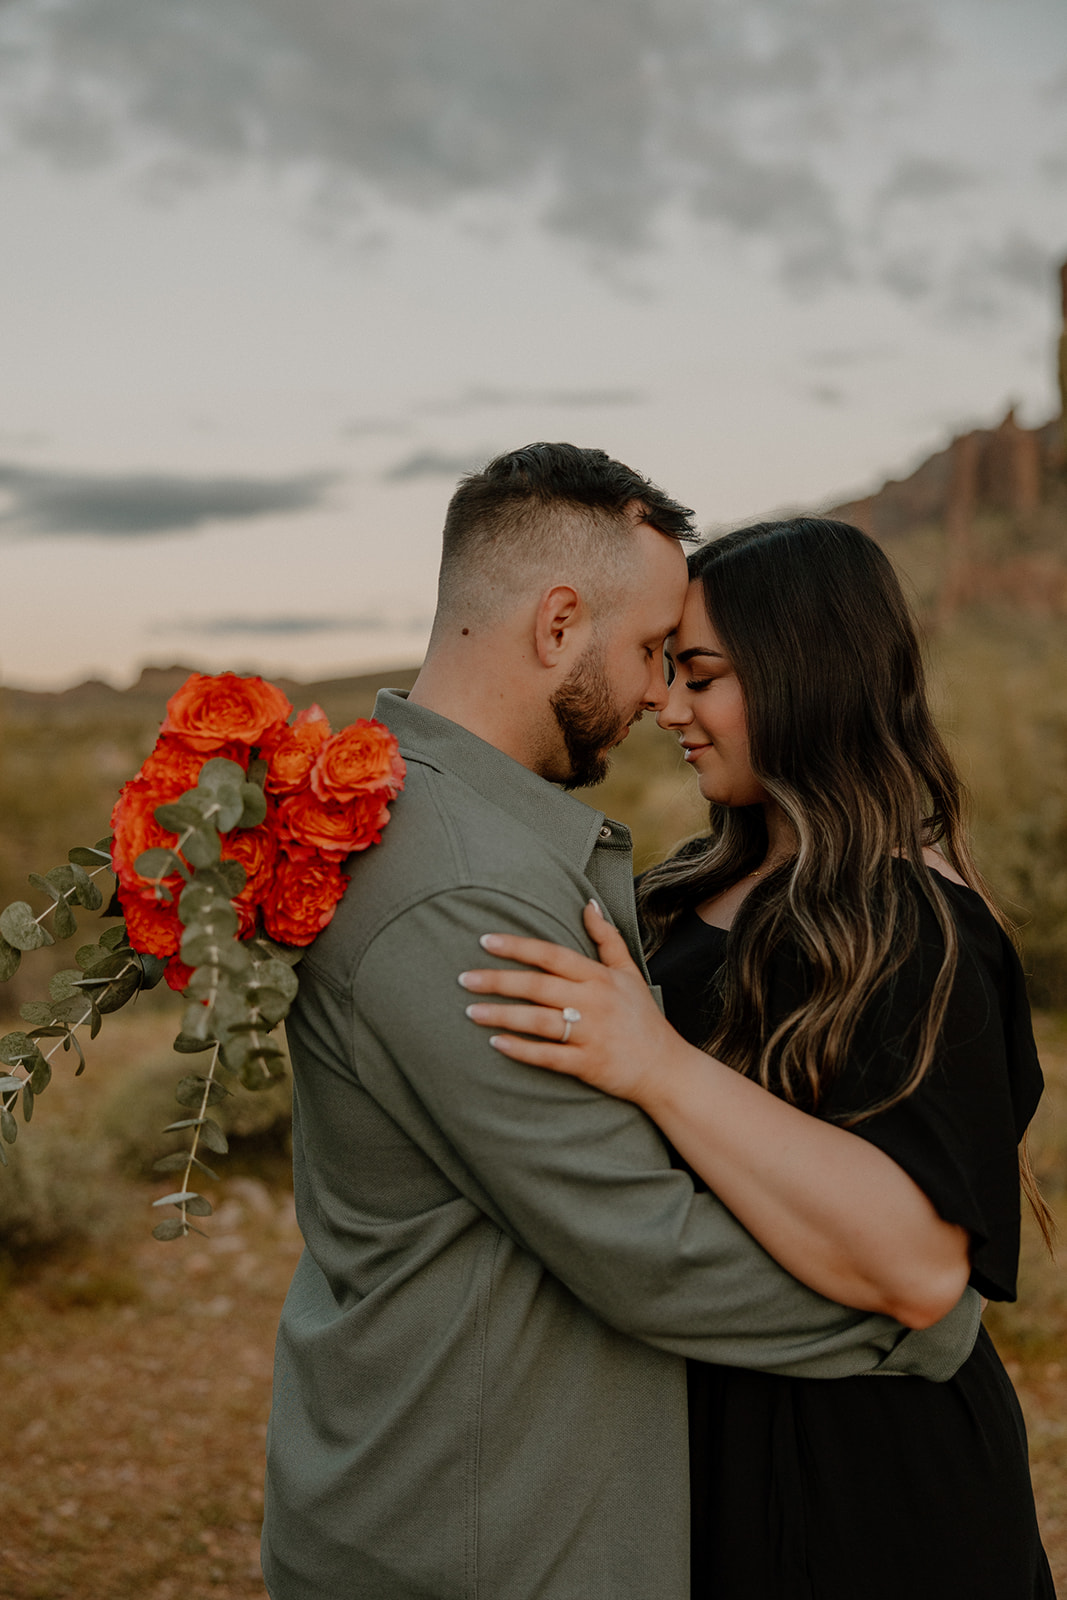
<point x="480" y="1388"/>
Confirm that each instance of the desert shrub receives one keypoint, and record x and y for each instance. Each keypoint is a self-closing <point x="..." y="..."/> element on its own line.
<point x="55" y="1193"/>
<point x="1002" y="688"/>
<point x="258" y="1124"/>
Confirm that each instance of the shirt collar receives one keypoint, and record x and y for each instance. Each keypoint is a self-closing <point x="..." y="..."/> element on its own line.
<point x="427" y="737"/>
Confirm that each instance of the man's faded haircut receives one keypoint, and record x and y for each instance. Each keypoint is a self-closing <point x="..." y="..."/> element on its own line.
<point x="547" y="513"/>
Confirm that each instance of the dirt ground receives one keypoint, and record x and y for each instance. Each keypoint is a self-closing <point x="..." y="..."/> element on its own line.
<point x="136" y="1381"/>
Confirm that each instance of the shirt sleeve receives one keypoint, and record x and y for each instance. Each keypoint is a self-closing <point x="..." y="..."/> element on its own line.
<point x="583" y="1181"/>
<point x="957" y="1134"/>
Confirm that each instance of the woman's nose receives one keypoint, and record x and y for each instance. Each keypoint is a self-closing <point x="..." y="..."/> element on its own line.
<point x="676" y="712"/>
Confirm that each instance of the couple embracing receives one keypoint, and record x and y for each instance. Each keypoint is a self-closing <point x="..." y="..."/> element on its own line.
<point x="601" y="1301"/>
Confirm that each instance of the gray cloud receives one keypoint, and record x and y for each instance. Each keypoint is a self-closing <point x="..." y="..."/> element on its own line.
<point x="137" y="504"/>
<point x="290" y="626"/>
<point x="923" y="179"/>
<point x="492" y="399"/>
<point x="434" y="464"/>
<point x="608" y="110"/>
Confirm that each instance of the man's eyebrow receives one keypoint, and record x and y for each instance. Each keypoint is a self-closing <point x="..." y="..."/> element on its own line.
<point x="698" y="650"/>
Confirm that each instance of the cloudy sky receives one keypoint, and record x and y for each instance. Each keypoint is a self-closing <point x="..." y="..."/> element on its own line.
<point x="274" y="272"/>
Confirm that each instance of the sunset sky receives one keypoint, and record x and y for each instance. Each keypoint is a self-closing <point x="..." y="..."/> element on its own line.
<point x="274" y="272"/>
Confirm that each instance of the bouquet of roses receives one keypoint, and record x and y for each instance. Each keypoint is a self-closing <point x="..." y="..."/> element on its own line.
<point x="227" y="849"/>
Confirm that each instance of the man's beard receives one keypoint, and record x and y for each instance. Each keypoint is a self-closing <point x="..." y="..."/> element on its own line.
<point x="589" y="721"/>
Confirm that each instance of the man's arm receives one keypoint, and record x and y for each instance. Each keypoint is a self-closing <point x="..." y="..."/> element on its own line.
<point x="583" y="1181"/>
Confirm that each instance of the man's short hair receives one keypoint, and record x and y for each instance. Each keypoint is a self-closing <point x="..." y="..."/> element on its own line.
<point x="553" y="512"/>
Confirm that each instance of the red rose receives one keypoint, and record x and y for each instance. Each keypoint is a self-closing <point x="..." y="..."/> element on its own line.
<point x="302" y="898"/>
<point x="168" y="772"/>
<point x="256" y="849"/>
<point x="208" y="712"/>
<point x="359" y="760"/>
<point x="152" y="925"/>
<point x="296" y="752"/>
<point x="177" y="973"/>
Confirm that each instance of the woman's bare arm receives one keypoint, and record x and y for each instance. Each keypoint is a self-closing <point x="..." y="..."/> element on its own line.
<point x="833" y="1209"/>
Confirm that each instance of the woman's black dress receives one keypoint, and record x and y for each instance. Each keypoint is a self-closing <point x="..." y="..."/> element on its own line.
<point x="890" y="1488"/>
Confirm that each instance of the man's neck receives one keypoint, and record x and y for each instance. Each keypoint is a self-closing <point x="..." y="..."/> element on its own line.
<point x="467" y="692"/>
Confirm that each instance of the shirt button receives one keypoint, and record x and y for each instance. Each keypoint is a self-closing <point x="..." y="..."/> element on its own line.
<point x="605" y="832"/>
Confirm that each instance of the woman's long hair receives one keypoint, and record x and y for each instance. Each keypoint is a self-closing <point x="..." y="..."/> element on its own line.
<point x="840" y="734"/>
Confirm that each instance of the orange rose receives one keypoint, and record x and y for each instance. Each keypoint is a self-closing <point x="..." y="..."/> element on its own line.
<point x="293" y="757"/>
<point x="309" y="826"/>
<point x="168" y="772"/>
<point x="359" y="760"/>
<point x="256" y="849"/>
<point x="302" y="898"/>
<point x="152" y="925"/>
<point x="209" y="712"/>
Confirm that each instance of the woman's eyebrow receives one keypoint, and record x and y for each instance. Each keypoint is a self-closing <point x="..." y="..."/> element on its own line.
<point x="698" y="650"/>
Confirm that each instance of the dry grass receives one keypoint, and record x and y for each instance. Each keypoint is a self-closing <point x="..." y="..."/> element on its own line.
<point x="136" y="1375"/>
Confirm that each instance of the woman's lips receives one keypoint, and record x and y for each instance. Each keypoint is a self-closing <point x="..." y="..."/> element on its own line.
<point x="692" y="751"/>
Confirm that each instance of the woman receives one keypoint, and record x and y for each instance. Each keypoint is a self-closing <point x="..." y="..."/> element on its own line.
<point x="831" y="941"/>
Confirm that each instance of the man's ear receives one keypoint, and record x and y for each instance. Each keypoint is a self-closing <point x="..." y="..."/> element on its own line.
<point x="560" y="625"/>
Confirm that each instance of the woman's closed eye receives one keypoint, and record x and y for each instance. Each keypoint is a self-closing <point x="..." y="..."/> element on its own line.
<point x="696" y="684"/>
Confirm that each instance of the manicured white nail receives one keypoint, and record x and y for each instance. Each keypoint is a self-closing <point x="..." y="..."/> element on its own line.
<point x="490" y="941"/>
<point x="464" y="980"/>
<point x="596" y="908"/>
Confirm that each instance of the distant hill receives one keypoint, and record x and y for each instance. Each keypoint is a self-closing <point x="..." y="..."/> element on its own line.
<point x="143" y="703"/>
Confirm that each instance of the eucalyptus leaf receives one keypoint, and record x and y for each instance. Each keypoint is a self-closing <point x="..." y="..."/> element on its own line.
<point x="234" y="877"/>
<point x="275" y="974"/>
<point x="183" y="1123"/>
<point x="20" y="927"/>
<point x="36" y="881"/>
<point x="115" y="938"/>
<point x="64" y="985"/>
<point x="172" y="1228"/>
<point x="198" y="1206"/>
<point x="159" y="863"/>
<point x="253" y="806"/>
<point x="16" y="1047"/>
<point x="75" y="1042"/>
<point x="257" y="771"/>
<point x="9" y="1128"/>
<point x="74" y="1012"/>
<point x="196" y="1023"/>
<point x="179" y="1197"/>
<point x="179" y="815"/>
<point x="172" y="1163"/>
<point x="190" y="1092"/>
<point x="121" y="988"/>
<point x="186" y="1045"/>
<point x="27" y="1102"/>
<point x="91" y="857"/>
<point x="206" y="950"/>
<point x="64" y="922"/>
<point x="86" y="892"/>
<point x="260" y="1071"/>
<point x="219" y="773"/>
<point x="219" y="920"/>
<point x="40" y="1075"/>
<point x="272" y="1005"/>
<point x="10" y="959"/>
<point x="3" y="1156"/>
<point x="87" y="955"/>
<point x="39" y="1012"/>
<point x="9" y="1084"/>
<point x="202" y="847"/>
<point x="213" y="1137"/>
<point x="62" y="879"/>
<point x="152" y="969"/>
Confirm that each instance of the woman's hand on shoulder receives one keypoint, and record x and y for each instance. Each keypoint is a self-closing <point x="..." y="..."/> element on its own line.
<point x="595" y="1020"/>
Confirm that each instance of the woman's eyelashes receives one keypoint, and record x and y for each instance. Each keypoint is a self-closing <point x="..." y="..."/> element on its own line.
<point x="695" y="685"/>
